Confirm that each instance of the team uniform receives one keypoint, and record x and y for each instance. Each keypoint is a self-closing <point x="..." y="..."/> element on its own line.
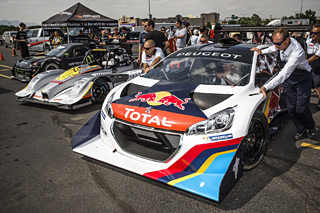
<point x="148" y="59"/>
<point x="22" y="44"/>
<point x="297" y="78"/>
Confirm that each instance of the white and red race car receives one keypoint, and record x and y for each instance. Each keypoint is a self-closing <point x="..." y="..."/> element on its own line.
<point x="195" y="121"/>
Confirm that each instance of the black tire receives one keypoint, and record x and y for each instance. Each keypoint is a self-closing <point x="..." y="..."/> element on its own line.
<point x="99" y="90"/>
<point x="256" y="141"/>
<point x="51" y="66"/>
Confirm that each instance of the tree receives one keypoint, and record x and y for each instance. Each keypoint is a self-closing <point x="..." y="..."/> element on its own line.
<point x="209" y="25"/>
<point x="253" y="21"/>
<point x="309" y="14"/>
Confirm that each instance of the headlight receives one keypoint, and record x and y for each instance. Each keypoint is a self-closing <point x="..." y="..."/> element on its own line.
<point x="217" y="122"/>
<point x="77" y="88"/>
<point x="109" y="107"/>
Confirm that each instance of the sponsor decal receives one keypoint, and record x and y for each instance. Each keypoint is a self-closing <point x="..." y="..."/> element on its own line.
<point x="74" y="64"/>
<point x="147" y="118"/>
<point x="210" y="54"/>
<point x="159" y="98"/>
<point x="218" y="137"/>
<point x="156" y="118"/>
<point x="103" y="115"/>
<point x="65" y="13"/>
<point x="88" y="16"/>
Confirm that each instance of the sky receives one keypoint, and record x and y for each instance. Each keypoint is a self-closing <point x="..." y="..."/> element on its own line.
<point x="40" y="10"/>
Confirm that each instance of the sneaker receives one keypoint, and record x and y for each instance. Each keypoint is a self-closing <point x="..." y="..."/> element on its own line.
<point x="300" y="135"/>
<point x="312" y="132"/>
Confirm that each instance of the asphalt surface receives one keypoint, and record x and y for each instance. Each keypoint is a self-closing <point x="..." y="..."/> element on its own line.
<point x="40" y="173"/>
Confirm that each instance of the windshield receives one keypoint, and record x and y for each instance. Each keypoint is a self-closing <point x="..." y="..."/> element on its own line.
<point x="58" y="51"/>
<point x="202" y="70"/>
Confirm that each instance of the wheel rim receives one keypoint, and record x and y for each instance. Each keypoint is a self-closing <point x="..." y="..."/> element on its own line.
<point x="253" y="145"/>
<point x="99" y="91"/>
<point x="51" y="67"/>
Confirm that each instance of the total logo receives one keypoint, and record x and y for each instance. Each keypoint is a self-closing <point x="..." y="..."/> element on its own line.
<point x="159" y="98"/>
<point x="147" y="118"/>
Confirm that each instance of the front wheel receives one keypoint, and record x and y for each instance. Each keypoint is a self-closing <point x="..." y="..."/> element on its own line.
<point x="51" y="66"/>
<point x="100" y="90"/>
<point x="256" y="141"/>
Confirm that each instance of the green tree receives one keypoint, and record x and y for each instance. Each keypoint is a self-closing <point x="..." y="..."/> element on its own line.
<point x="209" y="25"/>
<point x="253" y="21"/>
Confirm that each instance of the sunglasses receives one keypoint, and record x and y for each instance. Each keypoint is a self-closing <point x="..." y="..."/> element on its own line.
<point x="279" y="43"/>
<point x="145" y="26"/>
<point x="314" y="33"/>
<point x="147" y="48"/>
<point x="203" y="41"/>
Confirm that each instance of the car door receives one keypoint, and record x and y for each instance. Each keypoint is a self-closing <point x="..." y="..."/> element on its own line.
<point x="75" y="58"/>
<point x="32" y="40"/>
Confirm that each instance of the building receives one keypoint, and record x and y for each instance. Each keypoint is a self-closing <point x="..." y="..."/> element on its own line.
<point x="131" y="21"/>
<point x="213" y="18"/>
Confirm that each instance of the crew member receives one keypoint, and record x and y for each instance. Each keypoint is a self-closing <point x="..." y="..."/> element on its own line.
<point x="151" y="55"/>
<point x="104" y="37"/>
<point x="21" y="38"/>
<point x="296" y="76"/>
<point x="158" y="37"/>
<point x="56" y="40"/>
<point x="313" y="50"/>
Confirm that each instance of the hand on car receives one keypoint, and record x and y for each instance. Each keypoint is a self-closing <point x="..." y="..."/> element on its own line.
<point x="257" y="50"/>
<point x="263" y="91"/>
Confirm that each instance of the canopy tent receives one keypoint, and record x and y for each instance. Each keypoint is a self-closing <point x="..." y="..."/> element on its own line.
<point x="79" y="16"/>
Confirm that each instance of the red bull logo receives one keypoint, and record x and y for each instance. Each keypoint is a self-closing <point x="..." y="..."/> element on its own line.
<point x="158" y="98"/>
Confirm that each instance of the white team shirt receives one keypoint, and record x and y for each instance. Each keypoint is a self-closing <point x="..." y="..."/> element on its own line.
<point x="294" y="56"/>
<point x="149" y="60"/>
<point x="313" y="48"/>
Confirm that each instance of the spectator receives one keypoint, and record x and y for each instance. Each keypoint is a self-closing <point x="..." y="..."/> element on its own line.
<point x="180" y="35"/>
<point x="203" y="31"/>
<point x="141" y="39"/>
<point x="313" y="50"/>
<point x="158" y="37"/>
<point x="205" y="40"/>
<point x="56" y="40"/>
<point x="151" y="55"/>
<point x="115" y="34"/>
<point x="194" y="37"/>
<point x="297" y="81"/>
<point x="108" y="33"/>
<point x="164" y="30"/>
<point x="237" y="37"/>
<point x="125" y="36"/>
<point x="81" y="34"/>
<point x="189" y="33"/>
<point x="170" y="32"/>
<point x="104" y="37"/>
<point x="21" y="38"/>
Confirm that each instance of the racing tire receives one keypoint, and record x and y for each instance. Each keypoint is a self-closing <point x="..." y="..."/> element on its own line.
<point x="99" y="90"/>
<point x="51" y="66"/>
<point x="256" y="141"/>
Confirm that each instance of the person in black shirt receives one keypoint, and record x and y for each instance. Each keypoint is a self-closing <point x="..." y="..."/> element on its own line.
<point x="21" y="38"/>
<point x="158" y="37"/>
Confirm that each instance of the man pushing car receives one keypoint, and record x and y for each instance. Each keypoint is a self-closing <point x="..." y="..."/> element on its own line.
<point x="297" y="81"/>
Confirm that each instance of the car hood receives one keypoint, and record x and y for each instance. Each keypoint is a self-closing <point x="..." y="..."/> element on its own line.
<point x="66" y="79"/>
<point x="165" y="105"/>
<point x="26" y="63"/>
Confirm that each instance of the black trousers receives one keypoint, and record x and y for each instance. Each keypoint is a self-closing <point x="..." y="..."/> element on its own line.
<point x="297" y="90"/>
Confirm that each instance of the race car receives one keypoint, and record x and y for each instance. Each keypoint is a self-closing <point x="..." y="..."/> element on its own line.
<point x="84" y="84"/>
<point x="195" y="121"/>
<point x="63" y="57"/>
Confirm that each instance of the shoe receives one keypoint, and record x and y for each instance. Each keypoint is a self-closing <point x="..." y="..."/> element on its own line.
<point x="300" y="135"/>
<point x="312" y="132"/>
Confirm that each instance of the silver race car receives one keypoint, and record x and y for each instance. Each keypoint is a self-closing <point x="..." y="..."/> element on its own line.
<point x="101" y="70"/>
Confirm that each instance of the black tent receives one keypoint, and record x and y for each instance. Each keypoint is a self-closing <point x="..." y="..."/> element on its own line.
<point x="79" y="16"/>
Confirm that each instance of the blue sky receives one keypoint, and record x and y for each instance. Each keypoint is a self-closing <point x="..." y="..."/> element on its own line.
<point x="40" y="10"/>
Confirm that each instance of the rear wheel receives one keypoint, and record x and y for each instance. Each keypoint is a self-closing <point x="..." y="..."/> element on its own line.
<point x="256" y="141"/>
<point x="100" y="90"/>
<point x="51" y="66"/>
